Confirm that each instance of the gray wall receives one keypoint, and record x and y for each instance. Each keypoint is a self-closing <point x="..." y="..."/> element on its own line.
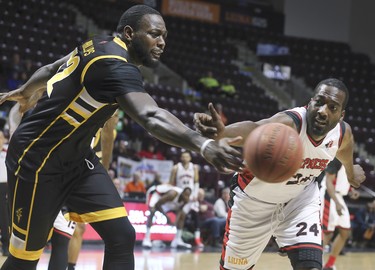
<point x="362" y="28"/>
<point x="349" y="21"/>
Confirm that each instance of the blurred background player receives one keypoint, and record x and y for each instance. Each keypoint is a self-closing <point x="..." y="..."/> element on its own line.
<point x="335" y="212"/>
<point x="103" y="147"/>
<point x="186" y="174"/>
<point x="167" y="198"/>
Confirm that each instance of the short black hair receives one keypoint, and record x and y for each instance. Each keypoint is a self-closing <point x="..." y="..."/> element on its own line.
<point x="133" y="16"/>
<point x="339" y="85"/>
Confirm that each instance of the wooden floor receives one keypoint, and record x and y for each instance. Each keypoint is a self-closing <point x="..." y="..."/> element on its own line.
<point x="167" y="259"/>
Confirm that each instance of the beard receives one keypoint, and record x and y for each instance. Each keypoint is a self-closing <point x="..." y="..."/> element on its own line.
<point x="142" y="53"/>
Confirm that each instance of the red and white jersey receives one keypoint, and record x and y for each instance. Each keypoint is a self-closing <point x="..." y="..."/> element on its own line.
<point x="316" y="156"/>
<point x="185" y="177"/>
<point x="3" y="169"/>
<point x="156" y="192"/>
<point x="341" y="182"/>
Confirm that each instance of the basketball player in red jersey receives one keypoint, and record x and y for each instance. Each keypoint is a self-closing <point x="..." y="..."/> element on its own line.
<point x="289" y="211"/>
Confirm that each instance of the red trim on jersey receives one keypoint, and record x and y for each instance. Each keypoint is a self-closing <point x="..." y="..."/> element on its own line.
<point x="315" y="143"/>
<point x="300" y="119"/>
<point x="67" y="235"/>
<point x="327" y="204"/>
<point x="301" y="245"/>
<point x="226" y="236"/>
<point x="244" y="178"/>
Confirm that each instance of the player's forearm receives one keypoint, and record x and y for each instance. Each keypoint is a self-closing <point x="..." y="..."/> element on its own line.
<point x="242" y="129"/>
<point x="169" y="129"/>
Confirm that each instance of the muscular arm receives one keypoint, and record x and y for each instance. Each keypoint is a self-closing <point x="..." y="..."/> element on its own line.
<point x="107" y="139"/>
<point x="159" y="122"/>
<point x="169" y="129"/>
<point x="243" y="129"/>
<point x="29" y="93"/>
<point x="345" y="155"/>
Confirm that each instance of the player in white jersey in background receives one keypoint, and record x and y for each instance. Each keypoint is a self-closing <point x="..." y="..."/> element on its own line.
<point x="289" y="211"/>
<point x="335" y="212"/>
<point x="166" y="198"/>
<point x="186" y="174"/>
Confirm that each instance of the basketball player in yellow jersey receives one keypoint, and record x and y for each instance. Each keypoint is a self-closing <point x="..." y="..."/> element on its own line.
<point x="50" y="162"/>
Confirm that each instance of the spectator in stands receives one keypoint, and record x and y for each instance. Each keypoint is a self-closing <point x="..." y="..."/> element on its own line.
<point x="14" y="80"/>
<point x="156" y="181"/>
<point x="29" y="68"/>
<point x="221" y="204"/>
<point x="364" y="225"/>
<point x="15" y="65"/>
<point x="118" y="185"/>
<point x="150" y="152"/>
<point x="208" y="83"/>
<point x="227" y="88"/>
<point x="208" y="221"/>
<point x="136" y="185"/>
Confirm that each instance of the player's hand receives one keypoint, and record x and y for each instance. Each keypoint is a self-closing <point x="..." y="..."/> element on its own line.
<point x="210" y="126"/>
<point x="359" y="176"/>
<point x="339" y="209"/>
<point x="354" y="194"/>
<point x="225" y="158"/>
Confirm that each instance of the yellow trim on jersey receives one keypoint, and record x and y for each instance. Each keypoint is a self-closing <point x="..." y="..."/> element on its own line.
<point x="18" y="229"/>
<point x="80" y="110"/>
<point x="71" y="120"/>
<point x="96" y="59"/>
<point x="118" y="41"/>
<point x="24" y="254"/>
<point x="99" y="215"/>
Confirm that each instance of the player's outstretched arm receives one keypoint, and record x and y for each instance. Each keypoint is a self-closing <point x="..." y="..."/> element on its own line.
<point x="29" y="93"/>
<point x="213" y="127"/>
<point x="169" y="129"/>
<point x="355" y="173"/>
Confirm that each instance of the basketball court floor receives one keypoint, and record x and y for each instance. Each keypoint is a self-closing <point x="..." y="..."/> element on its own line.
<point x="167" y="259"/>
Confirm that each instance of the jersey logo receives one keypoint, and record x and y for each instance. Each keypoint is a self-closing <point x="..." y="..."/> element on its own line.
<point x="19" y="214"/>
<point x="329" y="144"/>
<point x="237" y="261"/>
<point x="299" y="180"/>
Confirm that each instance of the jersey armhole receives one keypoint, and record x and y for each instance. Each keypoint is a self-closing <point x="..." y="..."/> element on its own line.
<point x="342" y="132"/>
<point x="296" y="119"/>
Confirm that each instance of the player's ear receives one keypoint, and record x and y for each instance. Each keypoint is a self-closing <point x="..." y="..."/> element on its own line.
<point x="128" y="33"/>
<point x="342" y="115"/>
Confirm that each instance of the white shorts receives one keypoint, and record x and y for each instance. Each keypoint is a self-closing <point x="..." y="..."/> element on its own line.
<point x="63" y="226"/>
<point x="251" y="223"/>
<point x="167" y="207"/>
<point x="330" y="218"/>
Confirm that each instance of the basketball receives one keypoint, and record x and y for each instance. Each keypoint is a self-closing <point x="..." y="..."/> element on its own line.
<point x="273" y="152"/>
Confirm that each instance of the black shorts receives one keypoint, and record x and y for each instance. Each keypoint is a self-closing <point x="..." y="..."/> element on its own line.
<point x="36" y="199"/>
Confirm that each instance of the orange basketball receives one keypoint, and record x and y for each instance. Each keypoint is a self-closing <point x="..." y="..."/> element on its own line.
<point x="273" y="152"/>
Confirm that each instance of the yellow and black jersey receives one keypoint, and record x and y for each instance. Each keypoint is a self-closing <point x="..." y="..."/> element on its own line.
<point x="79" y="99"/>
